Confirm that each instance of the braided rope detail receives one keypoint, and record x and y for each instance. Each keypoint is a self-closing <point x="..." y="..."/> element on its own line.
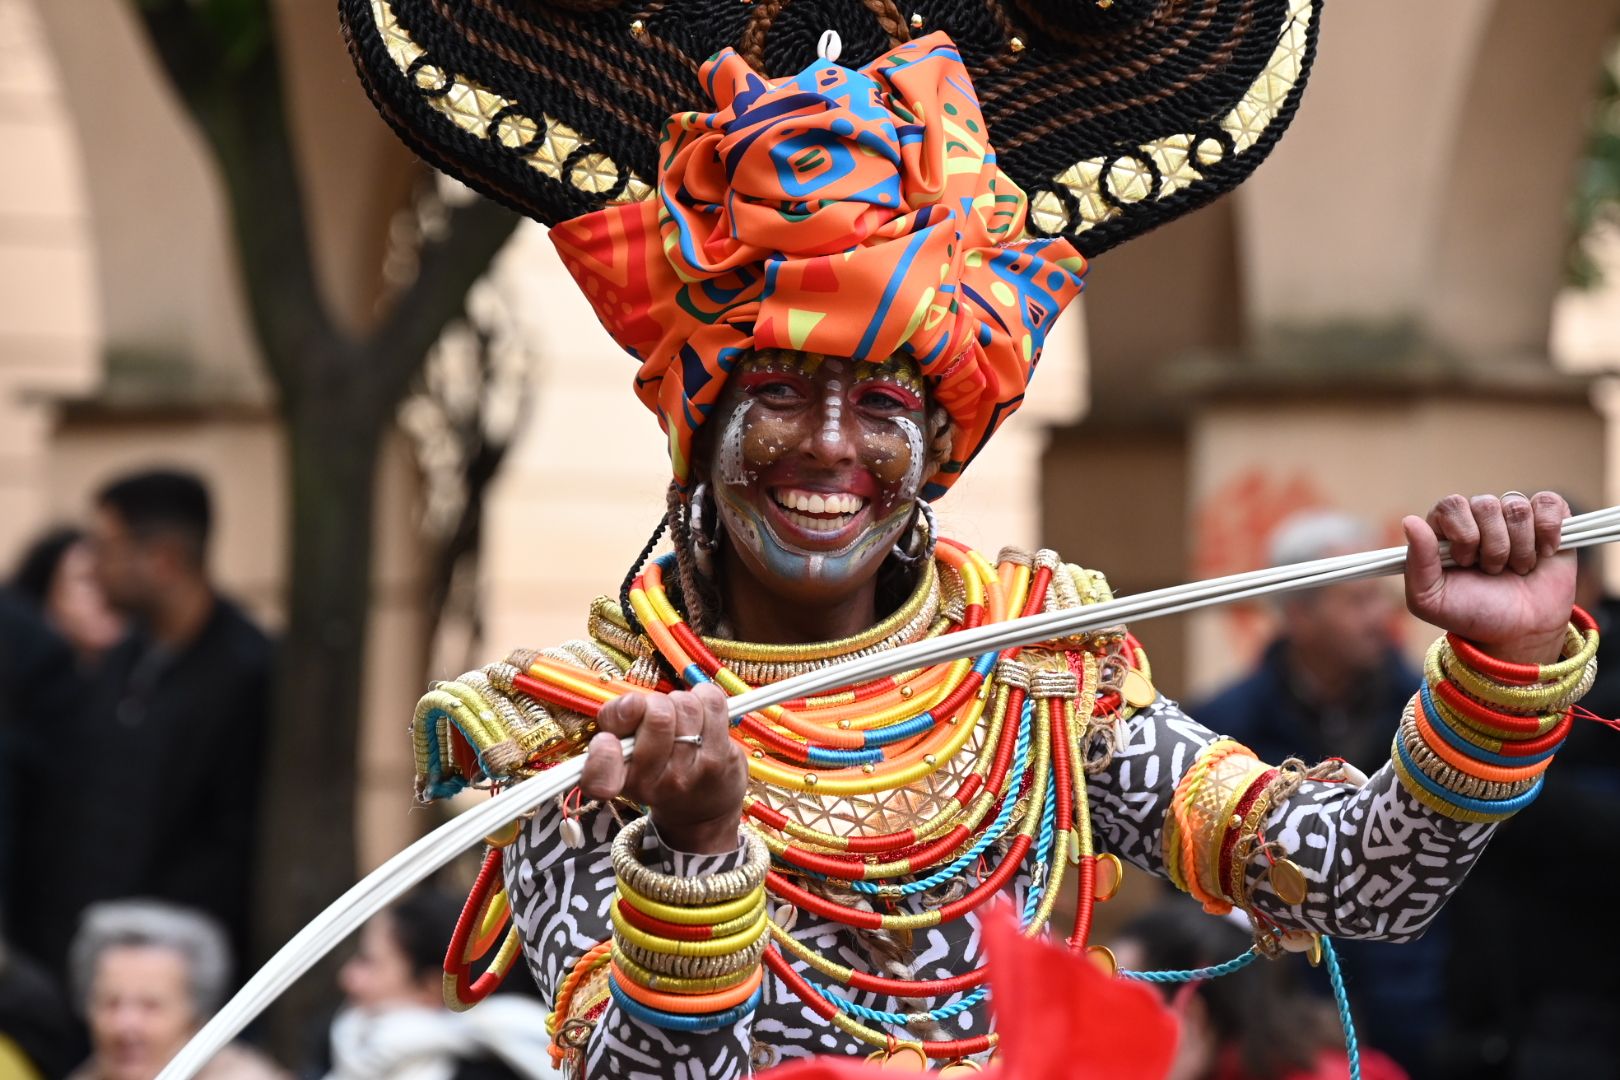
<point x="751" y="47"/>
<point x="1237" y="963"/>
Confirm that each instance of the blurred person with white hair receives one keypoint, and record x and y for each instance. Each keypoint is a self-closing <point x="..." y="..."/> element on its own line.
<point x="1332" y="678"/>
<point x="1329" y="685"/>
<point x="147" y="975"/>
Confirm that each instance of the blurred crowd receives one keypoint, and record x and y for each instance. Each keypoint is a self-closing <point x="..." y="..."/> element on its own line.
<point x="133" y="712"/>
<point x="1491" y="991"/>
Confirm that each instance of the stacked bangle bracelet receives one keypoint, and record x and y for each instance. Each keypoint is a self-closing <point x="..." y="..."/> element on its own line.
<point x="686" y="951"/>
<point x="1476" y="741"/>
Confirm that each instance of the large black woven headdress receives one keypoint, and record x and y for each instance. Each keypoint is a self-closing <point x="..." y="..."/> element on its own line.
<point x="1113" y="115"/>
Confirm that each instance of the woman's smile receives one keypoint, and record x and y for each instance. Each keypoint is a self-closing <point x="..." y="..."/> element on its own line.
<point x="817" y="467"/>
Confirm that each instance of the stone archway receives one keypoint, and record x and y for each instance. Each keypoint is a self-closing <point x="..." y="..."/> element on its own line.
<point x="1502" y="233"/>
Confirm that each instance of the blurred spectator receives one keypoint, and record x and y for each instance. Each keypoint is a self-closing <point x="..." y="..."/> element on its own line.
<point x="57" y="575"/>
<point x="395" y="1025"/>
<point x="148" y="975"/>
<point x="1254" y="1024"/>
<point x="1544" y="1004"/>
<point x="36" y="693"/>
<point x="38" y="1036"/>
<point x="165" y="755"/>
<point x="1333" y="683"/>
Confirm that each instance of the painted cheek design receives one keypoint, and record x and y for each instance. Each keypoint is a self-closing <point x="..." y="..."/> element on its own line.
<point x="730" y="466"/>
<point x="911" y="483"/>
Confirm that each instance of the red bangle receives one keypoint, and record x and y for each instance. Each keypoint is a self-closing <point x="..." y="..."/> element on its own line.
<point x="1229" y="839"/>
<point x="1505" y="670"/>
<point x="1506" y="725"/>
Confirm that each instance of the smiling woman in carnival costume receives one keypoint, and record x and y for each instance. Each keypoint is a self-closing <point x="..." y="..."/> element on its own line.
<point x="836" y="250"/>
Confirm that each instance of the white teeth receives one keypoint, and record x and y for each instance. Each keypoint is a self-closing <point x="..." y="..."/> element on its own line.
<point x="810" y="502"/>
<point x="816" y="524"/>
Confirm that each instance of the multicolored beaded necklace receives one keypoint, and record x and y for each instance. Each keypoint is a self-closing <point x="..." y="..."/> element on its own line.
<point x="1024" y="791"/>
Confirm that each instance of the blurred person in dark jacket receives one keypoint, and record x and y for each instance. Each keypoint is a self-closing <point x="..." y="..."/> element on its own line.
<point x="38" y="1034"/>
<point x="57" y="575"/>
<point x="36" y="695"/>
<point x="1252" y="1024"/>
<point x="1537" y="993"/>
<point x="153" y="786"/>
<point x="1332" y="682"/>
<point x="1333" y="677"/>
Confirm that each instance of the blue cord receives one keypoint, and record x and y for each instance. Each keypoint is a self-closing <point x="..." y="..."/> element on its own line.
<point x="1352" y="1052"/>
<point x="894" y="1019"/>
<point x="1237" y="963"/>
<point x="988" y="837"/>
<point x="945" y="1012"/>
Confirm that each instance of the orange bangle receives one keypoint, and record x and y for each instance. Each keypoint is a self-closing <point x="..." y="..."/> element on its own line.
<point x="1186" y="790"/>
<point x="688" y="1004"/>
<point x="1479" y="770"/>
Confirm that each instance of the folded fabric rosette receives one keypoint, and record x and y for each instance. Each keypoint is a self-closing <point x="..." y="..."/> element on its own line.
<point x="1476" y="740"/>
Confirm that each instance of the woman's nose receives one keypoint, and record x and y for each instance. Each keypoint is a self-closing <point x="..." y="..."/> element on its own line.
<point x="833" y="442"/>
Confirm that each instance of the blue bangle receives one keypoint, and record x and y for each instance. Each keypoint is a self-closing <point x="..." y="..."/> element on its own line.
<point x="1504" y="808"/>
<point x="680" y="1022"/>
<point x="1478" y="753"/>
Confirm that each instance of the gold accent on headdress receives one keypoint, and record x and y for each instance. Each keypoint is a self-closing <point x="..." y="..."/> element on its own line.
<point x="484" y="114"/>
<point x="1180" y="159"/>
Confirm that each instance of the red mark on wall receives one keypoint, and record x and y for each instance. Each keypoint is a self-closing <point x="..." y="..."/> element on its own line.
<point x="1232" y="529"/>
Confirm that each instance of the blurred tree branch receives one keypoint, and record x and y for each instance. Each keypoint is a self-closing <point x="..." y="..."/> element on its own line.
<point x="339" y="392"/>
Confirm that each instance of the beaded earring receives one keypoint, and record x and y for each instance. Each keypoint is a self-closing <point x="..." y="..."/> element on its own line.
<point x="703" y="543"/>
<point x="918" y="543"/>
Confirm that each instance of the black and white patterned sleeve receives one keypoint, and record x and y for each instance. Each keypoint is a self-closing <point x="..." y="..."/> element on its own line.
<point x="560" y="902"/>
<point x="1378" y="863"/>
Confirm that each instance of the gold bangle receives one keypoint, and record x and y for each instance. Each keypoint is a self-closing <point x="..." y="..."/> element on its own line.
<point x="708" y="915"/>
<point x="693" y="967"/>
<point x="682" y="891"/>
<point x="720" y="946"/>
<point x="1542" y="697"/>
<point x="1453" y="779"/>
<point x="653" y="980"/>
<point x="1438" y="805"/>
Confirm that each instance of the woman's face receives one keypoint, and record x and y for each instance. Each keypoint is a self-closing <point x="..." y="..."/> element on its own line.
<point x="378" y="976"/>
<point x="815" y="463"/>
<point x="140" y="1010"/>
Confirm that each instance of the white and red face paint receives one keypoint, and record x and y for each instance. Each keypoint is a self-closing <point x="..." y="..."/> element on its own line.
<point x="817" y="464"/>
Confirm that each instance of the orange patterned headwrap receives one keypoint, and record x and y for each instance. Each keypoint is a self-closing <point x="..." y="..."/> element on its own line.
<point x="850" y="213"/>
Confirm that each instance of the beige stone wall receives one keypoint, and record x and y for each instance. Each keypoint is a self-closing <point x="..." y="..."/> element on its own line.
<point x="1254" y="463"/>
<point x="49" y="307"/>
<point x="170" y="304"/>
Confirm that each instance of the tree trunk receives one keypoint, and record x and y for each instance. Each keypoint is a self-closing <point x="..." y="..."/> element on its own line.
<point x="308" y="839"/>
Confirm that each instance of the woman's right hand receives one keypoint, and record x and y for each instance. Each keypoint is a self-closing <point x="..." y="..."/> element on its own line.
<point x="695" y="793"/>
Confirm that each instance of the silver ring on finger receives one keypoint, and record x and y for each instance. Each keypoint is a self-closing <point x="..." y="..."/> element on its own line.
<point x="1506" y="495"/>
<point x="690" y="740"/>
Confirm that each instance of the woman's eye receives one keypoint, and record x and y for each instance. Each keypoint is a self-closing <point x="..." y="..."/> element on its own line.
<point x="887" y="400"/>
<point x="775" y="391"/>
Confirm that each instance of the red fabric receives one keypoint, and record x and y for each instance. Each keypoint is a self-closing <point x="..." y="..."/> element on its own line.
<point x="1059" y="1016"/>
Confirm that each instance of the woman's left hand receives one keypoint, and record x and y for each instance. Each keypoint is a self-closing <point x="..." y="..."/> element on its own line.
<point x="1512" y="590"/>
